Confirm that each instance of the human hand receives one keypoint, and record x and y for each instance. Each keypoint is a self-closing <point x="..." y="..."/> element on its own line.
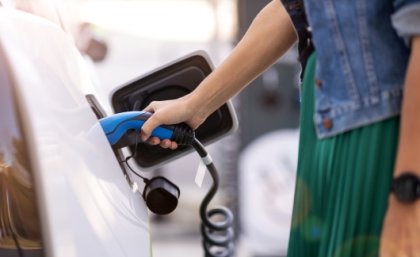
<point x="401" y="230"/>
<point x="167" y="113"/>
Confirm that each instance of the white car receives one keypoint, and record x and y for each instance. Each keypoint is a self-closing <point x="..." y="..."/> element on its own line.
<point x="62" y="189"/>
<point x="63" y="193"/>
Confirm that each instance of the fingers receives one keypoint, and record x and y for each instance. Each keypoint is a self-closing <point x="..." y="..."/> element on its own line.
<point x="153" y="122"/>
<point x="149" y="126"/>
<point x="168" y="144"/>
<point x="164" y="143"/>
<point x="160" y="116"/>
<point x="153" y="141"/>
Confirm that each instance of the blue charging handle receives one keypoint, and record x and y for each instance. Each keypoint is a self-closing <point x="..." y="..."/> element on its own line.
<point x="116" y="126"/>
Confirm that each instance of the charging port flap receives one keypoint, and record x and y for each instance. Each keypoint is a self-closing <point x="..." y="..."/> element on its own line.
<point x="172" y="81"/>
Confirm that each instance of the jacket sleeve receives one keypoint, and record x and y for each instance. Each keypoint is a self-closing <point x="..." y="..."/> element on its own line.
<point x="406" y="19"/>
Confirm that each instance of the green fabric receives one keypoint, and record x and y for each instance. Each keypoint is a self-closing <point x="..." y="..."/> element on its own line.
<point x="342" y="185"/>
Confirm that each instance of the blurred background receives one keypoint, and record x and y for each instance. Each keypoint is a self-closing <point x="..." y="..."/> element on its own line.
<point x="125" y="39"/>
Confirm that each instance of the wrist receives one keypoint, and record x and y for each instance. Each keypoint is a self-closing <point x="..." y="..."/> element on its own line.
<point x="196" y="109"/>
<point x="199" y="105"/>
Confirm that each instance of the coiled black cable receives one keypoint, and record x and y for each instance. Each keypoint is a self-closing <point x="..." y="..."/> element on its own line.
<point x="218" y="236"/>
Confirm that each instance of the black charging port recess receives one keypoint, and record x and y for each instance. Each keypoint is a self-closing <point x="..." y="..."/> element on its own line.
<point x="170" y="82"/>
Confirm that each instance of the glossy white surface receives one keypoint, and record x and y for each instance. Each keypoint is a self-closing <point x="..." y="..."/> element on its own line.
<point x="86" y="203"/>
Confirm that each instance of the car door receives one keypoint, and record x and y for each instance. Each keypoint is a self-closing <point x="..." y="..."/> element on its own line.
<point x="76" y="193"/>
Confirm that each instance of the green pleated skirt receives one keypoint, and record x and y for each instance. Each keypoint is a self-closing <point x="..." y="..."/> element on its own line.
<point x="342" y="186"/>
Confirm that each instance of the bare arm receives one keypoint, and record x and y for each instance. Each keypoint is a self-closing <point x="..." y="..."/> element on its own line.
<point x="270" y="35"/>
<point x="401" y="229"/>
<point x="409" y="142"/>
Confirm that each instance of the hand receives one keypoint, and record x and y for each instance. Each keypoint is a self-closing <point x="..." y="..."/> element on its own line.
<point x="401" y="230"/>
<point x="167" y="113"/>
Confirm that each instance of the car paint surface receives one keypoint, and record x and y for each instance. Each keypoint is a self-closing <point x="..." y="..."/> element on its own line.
<point x="86" y="204"/>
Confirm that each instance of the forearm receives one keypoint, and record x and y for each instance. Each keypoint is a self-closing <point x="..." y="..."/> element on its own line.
<point x="270" y="35"/>
<point x="409" y="142"/>
<point x="401" y="228"/>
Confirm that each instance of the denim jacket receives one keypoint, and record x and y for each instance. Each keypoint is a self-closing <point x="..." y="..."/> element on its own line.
<point x="362" y="49"/>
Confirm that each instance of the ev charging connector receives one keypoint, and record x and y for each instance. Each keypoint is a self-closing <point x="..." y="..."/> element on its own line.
<point x="160" y="194"/>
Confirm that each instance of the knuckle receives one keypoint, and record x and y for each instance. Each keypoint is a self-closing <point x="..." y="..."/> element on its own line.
<point x="153" y="104"/>
<point x="155" y="119"/>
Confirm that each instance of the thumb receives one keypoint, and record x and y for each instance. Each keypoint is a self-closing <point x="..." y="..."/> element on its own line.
<point x="149" y="126"/>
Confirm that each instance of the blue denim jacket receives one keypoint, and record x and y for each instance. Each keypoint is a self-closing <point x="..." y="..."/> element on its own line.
<point x="362" y="49"/>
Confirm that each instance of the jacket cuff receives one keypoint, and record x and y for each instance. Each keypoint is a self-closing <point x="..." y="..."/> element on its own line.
<point x="406" y="22"/>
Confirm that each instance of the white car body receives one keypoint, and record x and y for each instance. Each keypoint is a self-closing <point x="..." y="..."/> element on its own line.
<point x="86" y="205"/>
